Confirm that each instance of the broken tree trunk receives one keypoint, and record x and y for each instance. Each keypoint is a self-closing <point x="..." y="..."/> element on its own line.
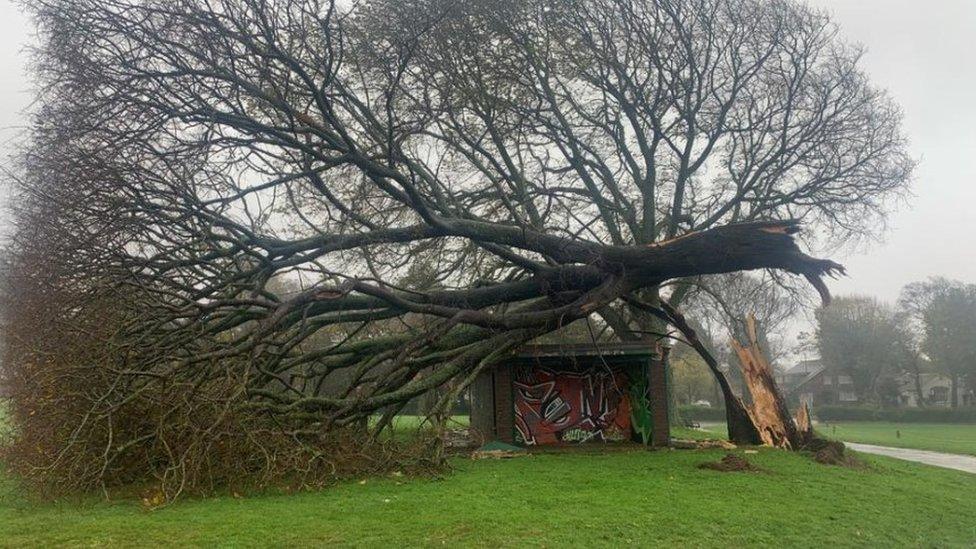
<point x="767" y="420"/>
<point x="742" y="429"/>
<point x="768" y="411"/>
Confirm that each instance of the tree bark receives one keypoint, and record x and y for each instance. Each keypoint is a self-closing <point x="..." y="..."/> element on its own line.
<point x="954" y="397"/>
<point x="768" y="410"/>
<point x="920" y="396"/>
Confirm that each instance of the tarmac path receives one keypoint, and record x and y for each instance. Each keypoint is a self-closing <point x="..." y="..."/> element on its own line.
<point x="938" y="459"/>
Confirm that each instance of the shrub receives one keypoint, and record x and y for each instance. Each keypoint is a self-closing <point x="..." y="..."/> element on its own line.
<point x="80" y="416"/>
<point x="76" y="434"/>
<point x="701" y="413"/>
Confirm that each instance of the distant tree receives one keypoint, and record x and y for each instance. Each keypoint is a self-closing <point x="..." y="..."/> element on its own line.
<point x="946" y="311"/>
<point x="861" y="337"/>
<point x="911" y="306"/>
<point x="691" y="379"/>
<point x="724" y="302"/>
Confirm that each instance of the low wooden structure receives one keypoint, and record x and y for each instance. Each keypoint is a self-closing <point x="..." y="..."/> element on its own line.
<point x="567" y="394"/>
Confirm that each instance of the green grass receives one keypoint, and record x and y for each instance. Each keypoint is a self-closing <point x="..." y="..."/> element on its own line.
<point x="954" y="438"/>
<point x="573" y="499"/>
<point x="695" y="434"/>
<point x="940" y="437"/>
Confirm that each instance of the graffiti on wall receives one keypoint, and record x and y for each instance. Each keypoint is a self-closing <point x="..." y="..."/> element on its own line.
<point x="641" y="422"/>
<point x="554" y="406"/>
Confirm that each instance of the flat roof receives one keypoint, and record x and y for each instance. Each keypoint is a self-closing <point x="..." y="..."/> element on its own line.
<point x="638" y="349"/>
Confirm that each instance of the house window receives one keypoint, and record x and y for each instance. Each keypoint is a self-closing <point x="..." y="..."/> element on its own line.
<point x="844" y="380"/>
<point x="827" y="380"/>
<point x="939" y="394"/>
<point x="847" y="396"/>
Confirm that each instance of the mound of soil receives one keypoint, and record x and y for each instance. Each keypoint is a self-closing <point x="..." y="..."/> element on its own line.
<point x="730" y="463"/>
<point x="831" y="452"/>
<point x="816" y="444"/>
<point x="835" y="454"/>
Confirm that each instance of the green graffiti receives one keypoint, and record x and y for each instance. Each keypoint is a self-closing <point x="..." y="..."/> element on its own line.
<point x="640" y="407"/>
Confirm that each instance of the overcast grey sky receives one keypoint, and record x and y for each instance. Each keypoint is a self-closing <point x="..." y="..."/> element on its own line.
<point x="922" y="52"/>
<point x="14" y="88"/>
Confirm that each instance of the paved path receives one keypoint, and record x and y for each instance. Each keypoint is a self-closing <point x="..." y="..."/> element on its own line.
<point x="949" y="461"/>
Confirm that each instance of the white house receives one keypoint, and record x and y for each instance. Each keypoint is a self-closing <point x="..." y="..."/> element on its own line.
<point x="936" y="390"/>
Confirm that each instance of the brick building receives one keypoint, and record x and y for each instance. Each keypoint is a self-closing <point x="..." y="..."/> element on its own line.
<point x="810" y="382"/>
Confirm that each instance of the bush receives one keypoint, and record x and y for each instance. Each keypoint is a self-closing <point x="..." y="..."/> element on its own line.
<point x="81" y="415"/>
<point x="172" y="440"/>
<point x="689" y="412"/>
<point x="895" y="415"/>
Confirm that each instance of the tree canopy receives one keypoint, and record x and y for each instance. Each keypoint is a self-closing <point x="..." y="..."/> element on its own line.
<point x="865" y="339"/>
<point x="944" y="313"/>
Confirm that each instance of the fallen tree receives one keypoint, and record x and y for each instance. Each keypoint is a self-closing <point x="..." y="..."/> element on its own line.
<point x="291" y="218"/>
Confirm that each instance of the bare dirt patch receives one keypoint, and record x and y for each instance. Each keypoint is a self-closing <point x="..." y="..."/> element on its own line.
<point x="729" y="464"/>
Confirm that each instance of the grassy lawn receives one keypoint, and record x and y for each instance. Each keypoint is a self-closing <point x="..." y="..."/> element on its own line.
<point x="697" y="434"/>
<point x="598" y="499"/>
<point x="954" y="438"/>
<point x="940" y="437"/>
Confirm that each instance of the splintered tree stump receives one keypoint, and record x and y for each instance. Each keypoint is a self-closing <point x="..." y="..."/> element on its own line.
<point x="804" y="425"/>
<point x="768" y="409"/>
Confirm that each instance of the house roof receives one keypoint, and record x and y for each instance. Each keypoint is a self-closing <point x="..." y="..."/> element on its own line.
<point x="808" y="370"/>
<point x="587" y="350"/>
<point x="805" y="367"/>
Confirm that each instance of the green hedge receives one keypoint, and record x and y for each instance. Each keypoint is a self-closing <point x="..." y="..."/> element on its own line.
<point x="895" y="415"/>
<point x="701" y="413"/>
<point x="852" y="413"/>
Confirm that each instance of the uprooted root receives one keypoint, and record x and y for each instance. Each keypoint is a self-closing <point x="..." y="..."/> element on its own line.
<point x="831" y="452"/>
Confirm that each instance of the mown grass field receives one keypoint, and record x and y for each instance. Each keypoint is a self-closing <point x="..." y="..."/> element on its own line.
<point x="953" y="438"/>
<point x="940" y="437"/>
<point x="595" y="499"/>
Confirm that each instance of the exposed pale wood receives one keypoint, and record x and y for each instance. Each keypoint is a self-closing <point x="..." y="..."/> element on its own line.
<point x="768" y="409"/>
<point x="804" y="426"/>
